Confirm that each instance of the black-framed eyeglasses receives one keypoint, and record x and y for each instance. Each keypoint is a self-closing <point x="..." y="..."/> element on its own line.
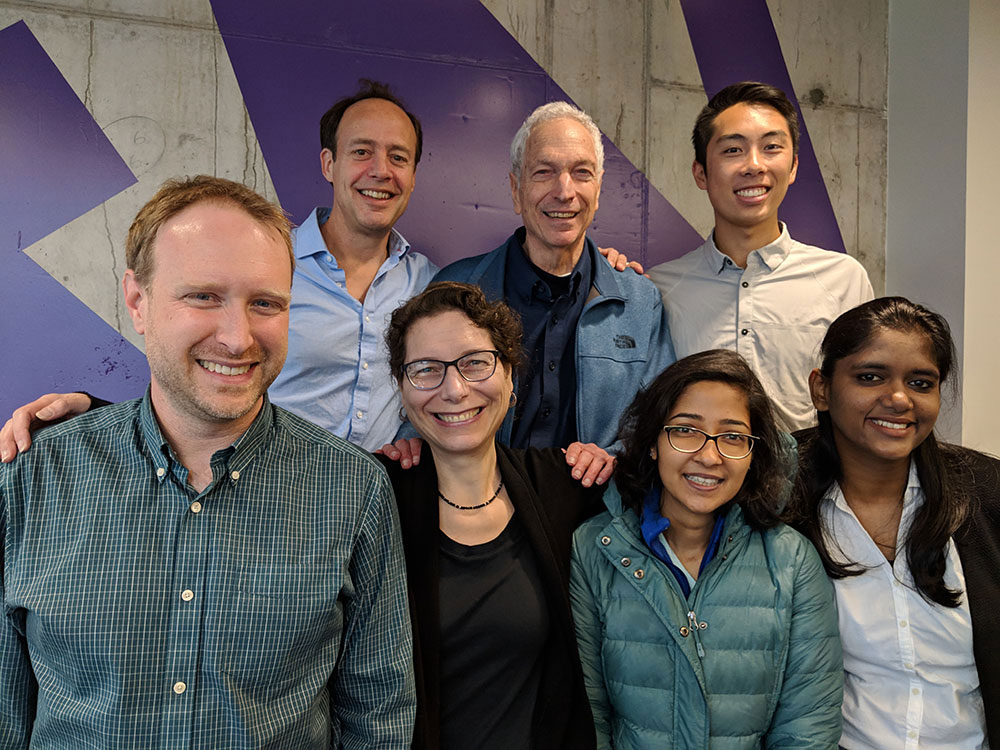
<point x="691" y="440"/>
<point x="428" y="374"/>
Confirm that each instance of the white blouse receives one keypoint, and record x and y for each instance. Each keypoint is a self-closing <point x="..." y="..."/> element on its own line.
<point x="910" y="677"/>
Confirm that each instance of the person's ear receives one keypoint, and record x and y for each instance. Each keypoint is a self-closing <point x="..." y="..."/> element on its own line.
<point x="700" y="178"/>
<point x="135" y="301"/>
<point x="818" y="387"/>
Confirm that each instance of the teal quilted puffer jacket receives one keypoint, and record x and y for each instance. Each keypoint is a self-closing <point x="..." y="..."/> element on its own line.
<point x="750" y="659"/>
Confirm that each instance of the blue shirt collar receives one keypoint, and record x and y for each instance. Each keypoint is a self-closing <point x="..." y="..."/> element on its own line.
<point x="652" y="524"/>
<point x="309" y="239"/>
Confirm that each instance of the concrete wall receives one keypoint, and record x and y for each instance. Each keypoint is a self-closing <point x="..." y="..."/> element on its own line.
<point x="640" y="82"/>
<point x="155" y="75"/>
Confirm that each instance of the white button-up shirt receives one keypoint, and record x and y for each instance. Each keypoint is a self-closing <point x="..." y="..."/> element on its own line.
<point x="910" y="679"/>
<point x="774" y="312"/>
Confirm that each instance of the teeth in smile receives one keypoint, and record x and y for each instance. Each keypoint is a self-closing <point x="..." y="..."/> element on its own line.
<point x="459" y="417"/>
<point x="751" y="192"/>
<point x="223" y="369"/>
<point x="379" y="194"/>
<point x="560" y="214"/>
<point x="703" y="481"/>
<point x="890" y="425"/>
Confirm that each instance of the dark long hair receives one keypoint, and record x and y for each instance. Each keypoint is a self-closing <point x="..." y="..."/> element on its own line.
<point x="641" y="423"/>
<point x="945" y="502"/>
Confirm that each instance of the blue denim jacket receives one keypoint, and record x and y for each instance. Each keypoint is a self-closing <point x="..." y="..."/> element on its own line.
<point x="622" y="339"/>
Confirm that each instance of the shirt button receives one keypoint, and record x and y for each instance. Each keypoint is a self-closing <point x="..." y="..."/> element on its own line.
<point x="907" y="665"/>
<point x="196" y="507"/>
<point x="552" y="365"/>
<point x="364" y="365"/>
<point x="340" y="284"/>
<point x="744" y="332"/>
<point x="187" y="595"/>
<point x="916" y="691"/>
<point x="179" y="687"/>
<point x="902" y="623"/>
<point x="555" y="318"/>
<point x="605" y="540"/>
<point x="744" y="285"/>
<point x="368" y="319"/>
<point x="160" y="472"/>
<point x="728" y="262"/>
<point x="234" y="475"/>
<point x="360" y="414"/>
<point x="546" y="411"/>
<point x="912" y="734"/>
<point x="329" y="258"/>
<point x="626" y="562"/>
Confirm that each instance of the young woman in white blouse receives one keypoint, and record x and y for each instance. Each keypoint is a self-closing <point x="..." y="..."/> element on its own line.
<point x="909" y="529"/>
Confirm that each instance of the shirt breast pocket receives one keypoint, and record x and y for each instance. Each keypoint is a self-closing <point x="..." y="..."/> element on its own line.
<point x="276" y="627"/>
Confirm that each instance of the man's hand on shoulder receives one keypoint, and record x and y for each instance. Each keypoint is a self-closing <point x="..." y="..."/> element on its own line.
<point x="404" y="450"/>
<point x="15" y="437"/>
<point x="591" y="464"/>
<point x="619" y="261"/>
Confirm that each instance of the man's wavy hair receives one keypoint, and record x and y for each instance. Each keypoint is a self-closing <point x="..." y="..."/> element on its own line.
<point x="637" y="472"/>
<point x="177" y="194"/>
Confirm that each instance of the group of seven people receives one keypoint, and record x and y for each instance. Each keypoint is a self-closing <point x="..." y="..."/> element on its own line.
<point x="204" y="568"/>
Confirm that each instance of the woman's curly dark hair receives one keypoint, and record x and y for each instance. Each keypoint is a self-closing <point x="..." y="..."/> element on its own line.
<point x="495" y="317"/>
<point x="766" y="480"/>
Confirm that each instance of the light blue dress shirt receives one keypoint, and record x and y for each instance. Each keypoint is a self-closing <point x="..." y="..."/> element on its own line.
<point x="337" y="371"/>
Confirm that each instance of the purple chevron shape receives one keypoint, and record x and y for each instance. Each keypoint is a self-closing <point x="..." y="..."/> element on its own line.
<point x="736" y="41"/>
<point x="467" y="79"/>
<point x="56" y="165"/>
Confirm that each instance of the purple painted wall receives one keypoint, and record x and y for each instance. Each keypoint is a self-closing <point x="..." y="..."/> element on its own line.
<point x="470" y="89"/>
<point x="466" y="78"/>
<point x="56" y="165"/>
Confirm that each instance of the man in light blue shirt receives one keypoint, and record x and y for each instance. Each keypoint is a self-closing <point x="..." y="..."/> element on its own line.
<point x="352" y="270"/>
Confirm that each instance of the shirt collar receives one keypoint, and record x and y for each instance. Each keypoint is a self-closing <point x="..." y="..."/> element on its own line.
<point x="522" y="275"/>
<point x="772" y="255"/>
<point x="237" y="456"/>
<point x="309" y="239"/>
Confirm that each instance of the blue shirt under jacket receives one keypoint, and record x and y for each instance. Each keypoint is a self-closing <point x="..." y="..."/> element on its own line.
<point x="622" y="340"/>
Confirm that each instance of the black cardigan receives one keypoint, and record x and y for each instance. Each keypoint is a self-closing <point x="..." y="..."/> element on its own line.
<point x="978" y="543"/>
<point x="562" y="717"/>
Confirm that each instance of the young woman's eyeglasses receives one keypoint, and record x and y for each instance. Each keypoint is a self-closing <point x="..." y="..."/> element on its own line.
<point x="428" y="374"/>
<point x="691" y="440"/>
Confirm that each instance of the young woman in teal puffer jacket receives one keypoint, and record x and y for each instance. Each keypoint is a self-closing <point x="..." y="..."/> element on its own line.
<point x="701" y="620"/>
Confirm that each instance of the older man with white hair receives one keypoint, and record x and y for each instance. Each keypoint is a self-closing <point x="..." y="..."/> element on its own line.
<point x="593" y="336"/>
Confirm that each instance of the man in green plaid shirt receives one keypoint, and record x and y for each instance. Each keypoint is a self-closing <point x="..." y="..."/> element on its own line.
<point x="199" y="568"/>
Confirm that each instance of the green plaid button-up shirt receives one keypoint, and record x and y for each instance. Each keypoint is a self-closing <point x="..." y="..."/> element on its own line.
<point x="267" y="611"/>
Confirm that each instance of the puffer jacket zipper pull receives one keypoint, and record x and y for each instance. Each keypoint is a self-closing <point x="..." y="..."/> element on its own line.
<point x="695" y="627"/>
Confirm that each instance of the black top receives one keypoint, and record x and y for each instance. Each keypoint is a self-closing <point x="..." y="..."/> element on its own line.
<point x="550" y="308"/>
<point x="494" y="625"/>
<point x="561" y="718"/>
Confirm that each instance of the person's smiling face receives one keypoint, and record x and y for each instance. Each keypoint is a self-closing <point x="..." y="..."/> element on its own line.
<point x="374" y="171"/>
<point x="883" y="400"/>
<point x="695" y="485"/>
<point x="749" y="164"/>
<point x="214" y="314"/>
<point x="457" y="416"/>
<point x="558" y="189"/>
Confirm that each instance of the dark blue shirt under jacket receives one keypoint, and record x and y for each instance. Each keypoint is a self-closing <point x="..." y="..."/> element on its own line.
<point x="550" y="308"/>
<point x="653" y="524"/>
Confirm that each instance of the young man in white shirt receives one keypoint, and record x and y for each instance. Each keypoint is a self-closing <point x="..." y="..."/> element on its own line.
<point x="750" y="287"/>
